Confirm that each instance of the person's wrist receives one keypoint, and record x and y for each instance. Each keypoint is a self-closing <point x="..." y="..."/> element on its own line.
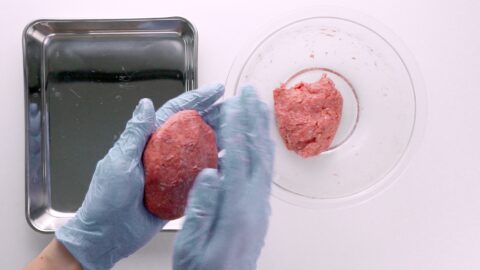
<point x="54" y="257"/>
<point x="63" y="257"/>
<point x="87" y="251"/>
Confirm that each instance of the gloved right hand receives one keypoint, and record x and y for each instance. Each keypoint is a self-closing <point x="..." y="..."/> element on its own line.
<point x="228" y="210"/>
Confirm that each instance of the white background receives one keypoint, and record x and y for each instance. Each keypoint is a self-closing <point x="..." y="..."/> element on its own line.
<point x="429" y="219"/>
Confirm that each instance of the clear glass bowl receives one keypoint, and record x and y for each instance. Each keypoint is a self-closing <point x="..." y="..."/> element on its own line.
<point x="384" y="103"/>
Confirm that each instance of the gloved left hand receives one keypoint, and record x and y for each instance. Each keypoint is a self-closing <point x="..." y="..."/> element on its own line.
<point x="112" y="222"/>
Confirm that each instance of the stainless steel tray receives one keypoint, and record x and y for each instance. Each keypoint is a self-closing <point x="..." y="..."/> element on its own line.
<point x="83" y="79"/>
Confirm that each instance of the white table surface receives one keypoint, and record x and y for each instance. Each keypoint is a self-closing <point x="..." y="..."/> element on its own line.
<point x="429" y="219"/>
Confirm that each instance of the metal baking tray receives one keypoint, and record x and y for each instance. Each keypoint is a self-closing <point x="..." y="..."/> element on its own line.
<point x="83" y="79"/>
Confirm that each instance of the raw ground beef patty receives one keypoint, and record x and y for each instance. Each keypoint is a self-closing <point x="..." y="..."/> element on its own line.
<point x="308" y="115"/>
<point x="174" y="155"/>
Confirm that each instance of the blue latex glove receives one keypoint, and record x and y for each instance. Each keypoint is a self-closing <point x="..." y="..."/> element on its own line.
<point x="228" y="210"/>
<point x="112" y="222"/>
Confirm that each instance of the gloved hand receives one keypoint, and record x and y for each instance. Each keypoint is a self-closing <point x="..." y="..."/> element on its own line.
<point x="228" y="210"/>
<point x="112" y="222"/>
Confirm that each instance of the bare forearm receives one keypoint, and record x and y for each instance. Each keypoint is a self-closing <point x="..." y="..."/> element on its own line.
<point x="54" y="256"/>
